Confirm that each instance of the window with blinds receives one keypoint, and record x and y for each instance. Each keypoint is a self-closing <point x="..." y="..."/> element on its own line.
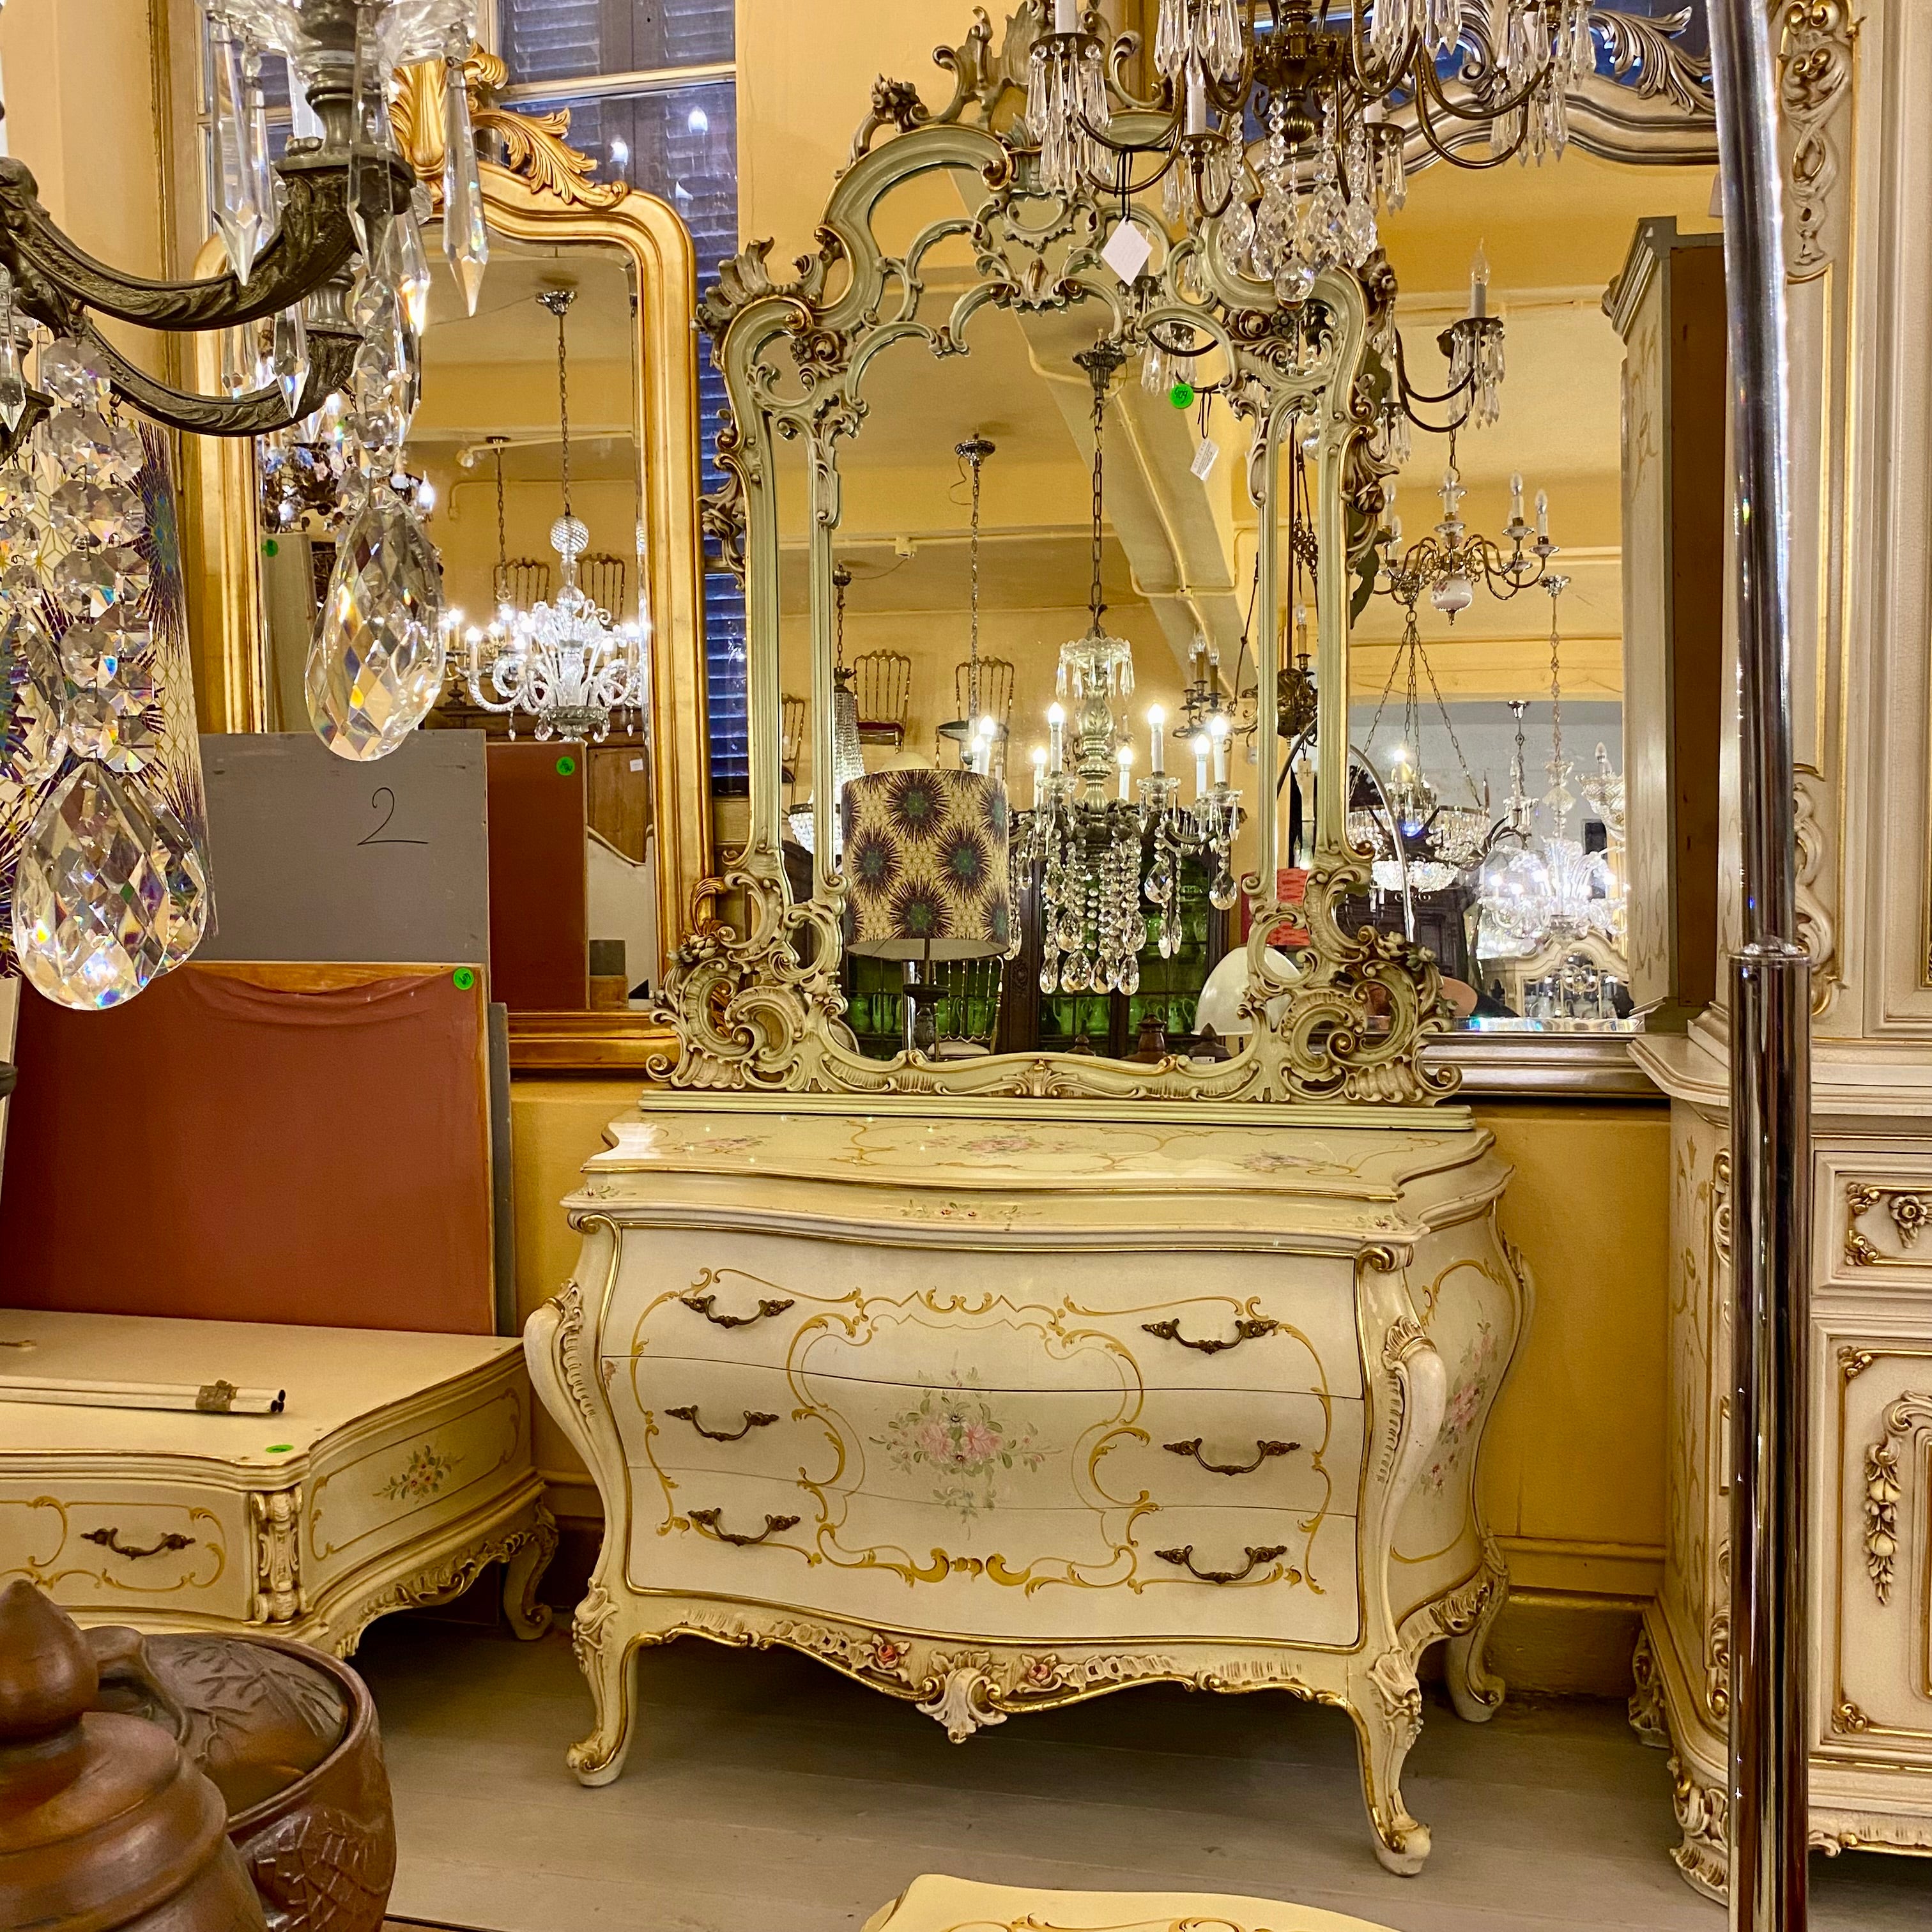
<point x="622" y="68"/>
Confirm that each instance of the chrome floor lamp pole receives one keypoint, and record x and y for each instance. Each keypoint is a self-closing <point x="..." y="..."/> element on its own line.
<point x="1771" y="1036"/>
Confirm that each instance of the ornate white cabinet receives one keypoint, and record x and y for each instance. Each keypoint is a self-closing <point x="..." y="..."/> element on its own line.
<point x="997" y="1411"/>
<point x="1870" y="1716"/>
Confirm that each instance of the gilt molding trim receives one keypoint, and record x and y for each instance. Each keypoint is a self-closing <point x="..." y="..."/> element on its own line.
<point x="1907" y="1418"/>
<point x="1908" y="1209"/>
<point x="1815" y="58"/>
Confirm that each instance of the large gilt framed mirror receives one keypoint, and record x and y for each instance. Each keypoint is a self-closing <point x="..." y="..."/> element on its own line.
<point x="927" y="544"/>
<point x="598" y="849"/>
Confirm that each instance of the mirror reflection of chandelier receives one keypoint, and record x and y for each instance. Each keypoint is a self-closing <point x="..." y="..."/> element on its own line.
<point x="1088" y="844"/>
<point x="560" y="664"/>
<point x="1540" y="891"/>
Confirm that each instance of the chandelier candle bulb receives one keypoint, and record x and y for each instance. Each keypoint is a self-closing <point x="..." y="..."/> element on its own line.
<point x="1056" y="731"/>
<point x="1124" y="757"/>
<point x="1038" y="774"/>
<point x="1516" y="497"/>
<point x="1156" y="744"/>
<point x="1543" y="514"/>
<point x="1479" y="283"/>
<point x="1200" y="766"/>
<point x="1217" y="732"/>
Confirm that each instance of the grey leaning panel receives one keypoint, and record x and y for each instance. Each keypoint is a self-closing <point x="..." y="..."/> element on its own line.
<point x="314" y="857"/>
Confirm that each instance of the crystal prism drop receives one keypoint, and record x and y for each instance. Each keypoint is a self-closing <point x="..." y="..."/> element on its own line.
<point x="290" y="355"/>
<point x="12" y="380"/>
<point x="84" y="512"/>
<point x="70" y="376"/>
<point x="409" y="268"/>
<point x="89" y="583"/>
<point x="91" y="906"/>
<point x="466" y="235"/>
<point x="186" y="877"/>
<point x="234" y="207"/>
<point x="93" y="653"/>
<point x="376" y="667"/>
<point x="33" y="700"/>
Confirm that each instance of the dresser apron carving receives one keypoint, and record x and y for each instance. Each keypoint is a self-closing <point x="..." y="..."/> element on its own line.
<point x="996" y="1411"/>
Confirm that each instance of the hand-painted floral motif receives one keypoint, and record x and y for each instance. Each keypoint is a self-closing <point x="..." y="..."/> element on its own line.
<point x="422" y="1477"/>
<point x="1467" y="1393"/>
<point x="954" y="1435"/>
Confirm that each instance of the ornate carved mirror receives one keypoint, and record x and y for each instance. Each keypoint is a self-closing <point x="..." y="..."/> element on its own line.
<point x="596" y="848"/>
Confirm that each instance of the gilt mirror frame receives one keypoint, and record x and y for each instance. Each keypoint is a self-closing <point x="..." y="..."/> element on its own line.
<point x="541" y="190"/>
<point x="755" y="999"/>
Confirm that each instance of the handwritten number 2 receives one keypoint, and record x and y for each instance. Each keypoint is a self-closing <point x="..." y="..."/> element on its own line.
<point x="383" y="799"/>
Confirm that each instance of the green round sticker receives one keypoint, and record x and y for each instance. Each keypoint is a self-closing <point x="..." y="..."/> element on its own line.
<point x="565" y="767"/>
<point x="1182" y="395"/>
<point x="465" y="978"/>
<point x="270" y="547"/>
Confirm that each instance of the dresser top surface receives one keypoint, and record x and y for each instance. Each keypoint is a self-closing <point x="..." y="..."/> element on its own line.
<point x="1040" y="1155"/>
<point x="331" y="1376"/>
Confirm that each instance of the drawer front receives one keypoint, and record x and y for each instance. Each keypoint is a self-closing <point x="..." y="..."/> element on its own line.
<point x="120" y="1545"/>
<point x="1880" y="1697"/>
<point x="429" y="1462"/>
<point x="1065" y="1575"/>
<point x="964" y="1446"/>
<point x="1016" y="1320"/>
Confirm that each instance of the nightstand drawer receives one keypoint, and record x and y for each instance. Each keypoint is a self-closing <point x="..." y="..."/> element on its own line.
<point x="111" y="1543"/>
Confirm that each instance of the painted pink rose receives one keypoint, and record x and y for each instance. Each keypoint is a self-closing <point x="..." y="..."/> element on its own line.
<point x="979" y="1443"/>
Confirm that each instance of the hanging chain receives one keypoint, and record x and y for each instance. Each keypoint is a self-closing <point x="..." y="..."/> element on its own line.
<point x="503" y="541"/>
<point x="1556" y="585"/>
<point x="840" y="577"/>
<point x="973" y="452"/>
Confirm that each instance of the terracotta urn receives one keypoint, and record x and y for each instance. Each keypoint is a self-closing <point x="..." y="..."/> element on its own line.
<point x="105" y="1822"/>
<point x="289" y="1735"/>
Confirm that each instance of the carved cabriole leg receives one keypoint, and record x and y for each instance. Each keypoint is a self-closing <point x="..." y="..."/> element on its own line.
<point x="1386" y="1704"/>
<point x="563" y="1348"/>
<point x="1703" y="1813"/>
<point x="609" y="1661"/>
<point x="1407" y="1399"/>
<point x="523" y="1572"/>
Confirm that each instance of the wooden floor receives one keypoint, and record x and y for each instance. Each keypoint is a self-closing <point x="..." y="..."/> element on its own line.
<point x="767" y="1795"/>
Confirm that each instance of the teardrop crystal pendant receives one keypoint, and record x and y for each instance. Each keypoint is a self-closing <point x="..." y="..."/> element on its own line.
<point x="234" y="182"/>
<point x="376" y="668"/>
<point x="110" y="893"/>
<point x="290" y="355"/>
<point x="13" y="378"/>
<point x="466" y="235"/>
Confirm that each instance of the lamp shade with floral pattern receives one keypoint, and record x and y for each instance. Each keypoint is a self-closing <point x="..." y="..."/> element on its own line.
<point x="926" y="864"/>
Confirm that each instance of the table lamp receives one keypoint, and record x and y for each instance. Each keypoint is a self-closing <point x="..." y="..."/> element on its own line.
<point x="925" y="872"/>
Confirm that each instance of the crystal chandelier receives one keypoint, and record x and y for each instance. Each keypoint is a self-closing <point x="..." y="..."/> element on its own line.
<point x="560" y="664"/>
<point x="1538" y="886"/>
<point x="1087" y="843"/>
<point x="1451" y="562"/>
<point x="1439" y="842"/>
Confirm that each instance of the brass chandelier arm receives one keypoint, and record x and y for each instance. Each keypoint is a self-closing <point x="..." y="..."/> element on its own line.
<point x="313" y="241"/>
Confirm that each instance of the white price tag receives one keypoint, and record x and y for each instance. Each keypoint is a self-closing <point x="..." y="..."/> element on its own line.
<point x="1126" y="251"/>
<point x="1205" y="458"/>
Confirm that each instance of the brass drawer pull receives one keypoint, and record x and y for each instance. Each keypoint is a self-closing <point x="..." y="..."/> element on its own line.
<point x="1184" y="1559"/>
<point x="702" y="1304"/>
<point x="1249" y="1328"/>
<point x="1263" y="1450"/>
<point x="752" y="1420"/>
<point x="707" y="1519"/>
<point x="110" y="1539"/>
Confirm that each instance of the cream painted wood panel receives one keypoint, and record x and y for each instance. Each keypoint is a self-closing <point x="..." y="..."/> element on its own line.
<point x="994" y="1411"/>
<point x="398" y="1470"/>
